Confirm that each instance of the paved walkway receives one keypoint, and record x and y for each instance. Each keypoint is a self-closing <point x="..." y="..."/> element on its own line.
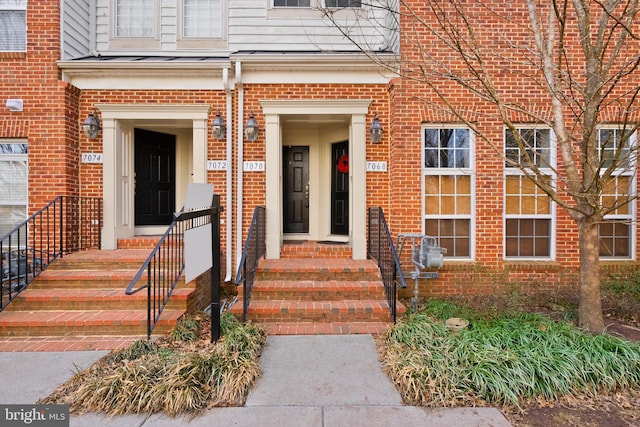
<point x="320" y="380"/>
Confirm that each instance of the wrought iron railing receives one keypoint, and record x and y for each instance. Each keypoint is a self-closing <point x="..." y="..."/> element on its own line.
<point x="161" y="272"/>
<point x="66" y="224"/>
<point x="380" y="247"/>
<point x="254" y="249"/>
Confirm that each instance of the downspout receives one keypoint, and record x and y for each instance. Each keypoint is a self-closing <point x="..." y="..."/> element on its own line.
<point x="229" y="224"/>
<point x="239" y="193"/>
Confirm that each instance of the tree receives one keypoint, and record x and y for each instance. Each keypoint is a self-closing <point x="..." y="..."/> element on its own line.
<point x="576" y="68"/>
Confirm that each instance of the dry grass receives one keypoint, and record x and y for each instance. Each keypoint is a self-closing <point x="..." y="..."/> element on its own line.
<point x="180" y="373"/>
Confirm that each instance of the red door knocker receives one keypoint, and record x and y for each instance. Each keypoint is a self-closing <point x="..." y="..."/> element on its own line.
<point x="343" y="164"/>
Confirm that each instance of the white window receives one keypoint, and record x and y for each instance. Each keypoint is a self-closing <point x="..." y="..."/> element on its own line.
<point x="202" y="19"/>
<point x="617" y="231"/>
<point x="449" y="188"/>
<point x="528" y="211"/>
<point x="135" y="18"/>
<point x="343" y="3"/>
<point x="13" y="184"/>
<point x="292" y="3"/>
<point x="13" y="25"/>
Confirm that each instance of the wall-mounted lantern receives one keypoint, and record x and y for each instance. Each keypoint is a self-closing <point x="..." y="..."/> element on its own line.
<point x="251" y="129"/>
<point x="375" y="131"/>
<point x="218" y="128"/>
<point x="91" y="126"/>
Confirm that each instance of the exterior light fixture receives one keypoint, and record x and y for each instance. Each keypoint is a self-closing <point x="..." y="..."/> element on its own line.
<point x="218" y="128"/>
<point x="251" y="129"/>
<point x="91" y="126"/>
<point x="375" y="131"/>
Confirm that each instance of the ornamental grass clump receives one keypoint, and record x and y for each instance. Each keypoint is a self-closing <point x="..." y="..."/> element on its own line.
<point x="175" y="375"/>
<point x="502" y="360"/>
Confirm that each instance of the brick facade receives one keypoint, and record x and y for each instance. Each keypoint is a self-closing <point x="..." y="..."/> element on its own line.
<point x="55" y="109"/>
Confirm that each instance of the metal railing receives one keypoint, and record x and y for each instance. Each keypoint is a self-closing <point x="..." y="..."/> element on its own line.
<point x="66" y="224"/>
<point x="254" y="249"/>
<point x="161" y="271"/>
<point x="380" y="247"/>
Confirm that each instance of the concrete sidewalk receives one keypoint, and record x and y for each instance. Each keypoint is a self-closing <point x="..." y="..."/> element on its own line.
<point x="316" y="380"/>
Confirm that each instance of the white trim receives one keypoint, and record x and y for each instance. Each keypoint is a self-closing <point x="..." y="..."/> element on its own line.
<point x="470" y="171"/>
<point x="357" y="110"/>
<point x="118" y="121"/>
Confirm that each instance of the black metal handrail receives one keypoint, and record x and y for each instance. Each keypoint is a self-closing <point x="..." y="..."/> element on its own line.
<point x="380" y="247"/>
<point x="254" y="249"/>
<point x="165" y="264"/>
<point x="66" y="224"/>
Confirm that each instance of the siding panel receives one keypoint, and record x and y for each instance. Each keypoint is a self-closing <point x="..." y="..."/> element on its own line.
<point x="76" y="29"/>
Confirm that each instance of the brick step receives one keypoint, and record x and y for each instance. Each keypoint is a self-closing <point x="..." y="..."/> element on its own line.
<point x="83" y="323"/>
<point x="68" y="343"/>
<point x="317" y="269"/>
<point x="143" y="242"/>
<point x="307" y="249"/>
<point x="91" y="299"/>
<point x="96" y="259"/>
<point x="334" y="290"/>
<point x="316" y="311"/>
<point x="321" y="328"/>
<point x="116" y="278"/>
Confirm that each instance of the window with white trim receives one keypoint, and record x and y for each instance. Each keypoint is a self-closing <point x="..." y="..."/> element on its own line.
<point x="13" y="184"/>
<point x="528" y="210"/>
<point x="292" y="3"/>
<point x="13" y="25"/>
<point x="617" y="231"/>
<point x="343" y="3"/>
<point x="202" y="19"/>
<point x="449" y="188"/>
<point x="135" y="18"/>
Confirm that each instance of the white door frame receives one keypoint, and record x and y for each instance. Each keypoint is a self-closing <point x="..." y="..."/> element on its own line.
<point x="117" y="165"/>
<point x="357" y="109"/>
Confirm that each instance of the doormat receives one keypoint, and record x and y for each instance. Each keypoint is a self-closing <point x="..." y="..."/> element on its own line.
<point x="330" y="242"/>
<point x="293" y="242"/>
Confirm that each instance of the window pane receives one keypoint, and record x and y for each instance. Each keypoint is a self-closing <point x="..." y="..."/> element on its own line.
<point x="292" y="3"/>
<point x="451" y="234"/>
<point x="527" y="238"/>
<point x="528" y="147"/>
<point x="135" y="18"/>
<point x="614" y="239"/>
<point x="13" y="30"/>
<point x="202" y="19"/>
<point x="342" y="3"/>
<point x="446" y="148"/>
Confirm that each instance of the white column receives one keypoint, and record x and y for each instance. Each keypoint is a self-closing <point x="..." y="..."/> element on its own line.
<point x="358" y="189"/>
<point x="273" y="173"/>
<point x="109" y="192"/>
<point x="200" y="152"/>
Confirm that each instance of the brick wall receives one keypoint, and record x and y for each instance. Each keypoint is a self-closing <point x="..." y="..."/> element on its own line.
<point x="415" y="102"/>
<point x="50" y="108"/>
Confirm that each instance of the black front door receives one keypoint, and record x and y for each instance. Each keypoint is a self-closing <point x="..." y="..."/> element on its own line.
<point x="295" y="181"/>
<point x="155" y="172"/>
<point x="340" y="188"/>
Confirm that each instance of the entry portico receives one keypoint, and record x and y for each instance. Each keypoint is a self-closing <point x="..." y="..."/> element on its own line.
<point x="356" y="110"/>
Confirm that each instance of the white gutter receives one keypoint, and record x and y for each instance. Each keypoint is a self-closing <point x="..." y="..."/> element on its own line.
<point x="239" y="193"/>
<point x="229" y="224"/>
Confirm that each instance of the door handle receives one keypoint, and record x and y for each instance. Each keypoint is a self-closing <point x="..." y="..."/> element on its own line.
<point x="306" y="195"/>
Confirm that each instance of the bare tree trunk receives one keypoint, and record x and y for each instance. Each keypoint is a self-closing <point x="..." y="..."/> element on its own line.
<point x="590" y="306"/>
